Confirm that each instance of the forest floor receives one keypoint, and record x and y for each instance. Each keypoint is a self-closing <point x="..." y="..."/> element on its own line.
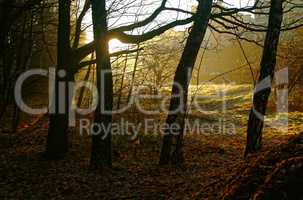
<point x="211" y="162"/>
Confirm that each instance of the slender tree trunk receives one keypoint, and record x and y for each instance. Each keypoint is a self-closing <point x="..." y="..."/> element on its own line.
<point x="122" y="82"/>
<point x="101" y="152"/>
<point x="132" y="81"/>
<point x="57" y="140"/>
<point x="180" y="87"/>
<point x="268" y="62"/>
<point x="82" y="90"/>
<point x="5" y="54"/>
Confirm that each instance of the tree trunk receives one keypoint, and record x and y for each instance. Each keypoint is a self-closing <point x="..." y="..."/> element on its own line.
<point x="82" y="90"/>
<point x="57" y="140"/>
<point x="268" y="62"/>
<point x="101" y="152"/>
<point x="122" y="83"/>
<point x="6" y="55"/>
<point x="179" y="94"/>
<point x="132" y="81"/>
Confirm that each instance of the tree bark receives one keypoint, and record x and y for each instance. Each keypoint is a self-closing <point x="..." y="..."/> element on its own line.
<point x="171" y="152"/>
<point x="101" y="152"/>
<point x="268" y="62"/>
<point x="57" y="140"/>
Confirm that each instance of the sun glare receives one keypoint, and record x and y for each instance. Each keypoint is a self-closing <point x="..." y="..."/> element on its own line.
<point x="115" y="45"/>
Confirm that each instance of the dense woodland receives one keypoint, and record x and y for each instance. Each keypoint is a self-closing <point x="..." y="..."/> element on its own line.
<point x="151" y="99"/>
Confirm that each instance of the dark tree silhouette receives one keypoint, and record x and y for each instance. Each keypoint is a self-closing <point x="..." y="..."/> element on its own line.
<point x="268" y="62"/>
<point x="101" y="152"/>
<point x="57" y="140"/>
<point x="171" y="151"/>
